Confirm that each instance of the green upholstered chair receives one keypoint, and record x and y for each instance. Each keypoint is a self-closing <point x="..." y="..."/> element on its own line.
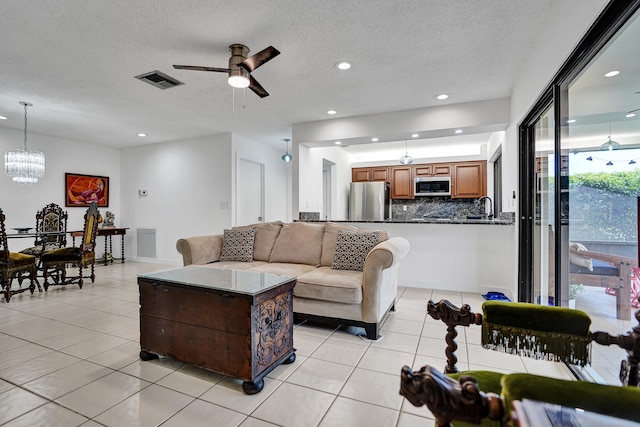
<point x="463" y="401"/>
<point x="56" y="262"/>
<point x="13" y="264"/>
<point x="535" y="331"/>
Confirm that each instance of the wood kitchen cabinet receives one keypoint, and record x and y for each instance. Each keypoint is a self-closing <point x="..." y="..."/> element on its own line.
<point x="379" y="173"/>
<point x="469" y="180"/>
<point x="433" y="169"/>
<point x="402" y="182"/>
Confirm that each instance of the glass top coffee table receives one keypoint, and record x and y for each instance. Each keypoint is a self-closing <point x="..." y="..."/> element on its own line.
<point x="235" y="323"/>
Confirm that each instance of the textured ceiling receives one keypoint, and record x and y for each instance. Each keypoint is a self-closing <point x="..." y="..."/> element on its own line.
<point x="75" y="60"/>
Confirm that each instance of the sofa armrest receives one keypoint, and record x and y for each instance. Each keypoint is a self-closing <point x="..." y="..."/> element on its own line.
<point x="380" y="277"/>
<point x="200" y="249"/>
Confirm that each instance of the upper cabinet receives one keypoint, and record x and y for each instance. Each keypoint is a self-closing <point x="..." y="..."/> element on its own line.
<point x="433" y="169"/>
<point x="469" y="180"/>
<point x="378" y="173"/>
<point x="401" y="182"/>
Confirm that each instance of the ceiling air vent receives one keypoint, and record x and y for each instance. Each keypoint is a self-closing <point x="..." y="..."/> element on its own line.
<point x="159" y="79"/>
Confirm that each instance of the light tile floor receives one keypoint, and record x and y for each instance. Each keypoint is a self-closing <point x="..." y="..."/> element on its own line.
<point x="69" y="357"/>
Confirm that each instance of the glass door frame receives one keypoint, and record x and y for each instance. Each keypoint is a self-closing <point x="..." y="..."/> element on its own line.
<point x="613" y="17"/>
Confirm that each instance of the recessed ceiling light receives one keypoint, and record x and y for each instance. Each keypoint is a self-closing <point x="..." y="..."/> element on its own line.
<point x="415" y="135"/>
<point x="338" y="142"/>
<point x="612" y="73"/>
<point x="442" y="96"/>
<point x="458" y="130"/>
<point x="332" y="112"/>
<point x="343" y="65"/>
<point x="629" y="115"/>
<point x="142" y="135"/>
<point x="374" y="139"/>
<point x="571" y="121"/>
<point x="3" y="118"/>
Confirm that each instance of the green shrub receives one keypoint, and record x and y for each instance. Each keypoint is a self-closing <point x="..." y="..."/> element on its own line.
<point x="603" y="206"/>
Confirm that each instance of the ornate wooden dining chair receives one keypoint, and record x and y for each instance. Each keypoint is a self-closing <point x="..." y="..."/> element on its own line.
<point x="49" y="219"/>
<point x="12" y="264"/>
<point x="55" y="262"/>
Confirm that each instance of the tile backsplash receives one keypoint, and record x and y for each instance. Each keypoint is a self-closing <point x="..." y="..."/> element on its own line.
<point x="434" y="207"/>
<point x="309" y="216"/>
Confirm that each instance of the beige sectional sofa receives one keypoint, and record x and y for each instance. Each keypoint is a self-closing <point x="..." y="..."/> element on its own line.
<point x="320" y="256"/>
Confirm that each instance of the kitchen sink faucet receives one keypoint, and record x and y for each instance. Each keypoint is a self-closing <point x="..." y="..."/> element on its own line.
<point x="482" y="207"/>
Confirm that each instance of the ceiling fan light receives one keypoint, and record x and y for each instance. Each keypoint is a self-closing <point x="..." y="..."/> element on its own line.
<point x="238" y="81"/>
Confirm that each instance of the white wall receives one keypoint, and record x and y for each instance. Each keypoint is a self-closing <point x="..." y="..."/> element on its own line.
<point x="309" y="197"/>
<point x="277" y="177"/>
<point x="20" y="204"/>
<point x="190" y="184"/>
<point x="186" y="182"/>
<point x="457" y="257"/>
<point x="569" y="21"/>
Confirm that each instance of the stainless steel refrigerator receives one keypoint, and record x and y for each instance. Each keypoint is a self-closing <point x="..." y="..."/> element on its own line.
<point x="369" y="201"/>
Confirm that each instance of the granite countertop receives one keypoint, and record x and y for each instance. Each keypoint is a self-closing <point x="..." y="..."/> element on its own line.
<point x="424" y="221"/>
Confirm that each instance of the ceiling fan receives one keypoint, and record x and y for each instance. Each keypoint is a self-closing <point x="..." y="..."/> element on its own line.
<point x="240" y="67"/>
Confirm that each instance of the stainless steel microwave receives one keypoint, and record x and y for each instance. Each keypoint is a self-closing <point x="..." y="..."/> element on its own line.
<point x="432" y="186"/>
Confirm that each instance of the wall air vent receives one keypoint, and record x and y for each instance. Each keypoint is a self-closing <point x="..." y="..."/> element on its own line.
<point x="146" y="243"/>
<point x="159" y="79"/>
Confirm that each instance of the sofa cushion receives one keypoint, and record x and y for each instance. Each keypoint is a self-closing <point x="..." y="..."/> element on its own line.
<point x="352" y="248"/>
<point x="299" y="243"/>
<point x="326" y="284"/>
<point x="330" y="237"/>
<point x="329" y="241"/>
<point x="237" y="244"/>
<point x="284" y="269"/>
<point x="233" y="265"/>
<point x="266" y="235"/>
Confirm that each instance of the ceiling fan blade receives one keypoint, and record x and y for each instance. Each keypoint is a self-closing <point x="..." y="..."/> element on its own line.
<point x="198" y="68"/>
<point x="257" y="88"/>
<point x="254" y="61"/>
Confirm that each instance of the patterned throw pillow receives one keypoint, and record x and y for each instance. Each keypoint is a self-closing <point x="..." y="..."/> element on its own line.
<point x="352" y="248"/>
<point x="237" y="245"/>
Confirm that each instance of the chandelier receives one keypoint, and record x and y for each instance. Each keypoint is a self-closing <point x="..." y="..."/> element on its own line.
<point x="24" y="166"/>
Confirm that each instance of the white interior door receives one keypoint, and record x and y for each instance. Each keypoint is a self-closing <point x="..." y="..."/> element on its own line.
<point x="250" y="194"/>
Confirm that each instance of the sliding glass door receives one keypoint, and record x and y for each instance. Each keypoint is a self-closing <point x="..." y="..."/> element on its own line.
<point x="580" y="185"/>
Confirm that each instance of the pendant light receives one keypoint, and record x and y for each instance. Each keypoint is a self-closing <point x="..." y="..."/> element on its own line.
<point x="287" y="157"/>
<point x="406" y="159"/>
<point x="609" y="144"/>
<point x="24" y="166"/>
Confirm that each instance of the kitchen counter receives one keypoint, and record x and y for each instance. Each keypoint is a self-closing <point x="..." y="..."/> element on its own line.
<point x="460" y="255"/>
<point x="423" y="221"/>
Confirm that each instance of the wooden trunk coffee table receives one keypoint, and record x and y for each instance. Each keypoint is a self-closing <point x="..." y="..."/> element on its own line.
<point x="235" y="323"/>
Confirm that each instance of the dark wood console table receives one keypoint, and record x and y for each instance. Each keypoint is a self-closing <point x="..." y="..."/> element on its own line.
<point x="108" y="233"/>
<point x="235" y="323"/>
